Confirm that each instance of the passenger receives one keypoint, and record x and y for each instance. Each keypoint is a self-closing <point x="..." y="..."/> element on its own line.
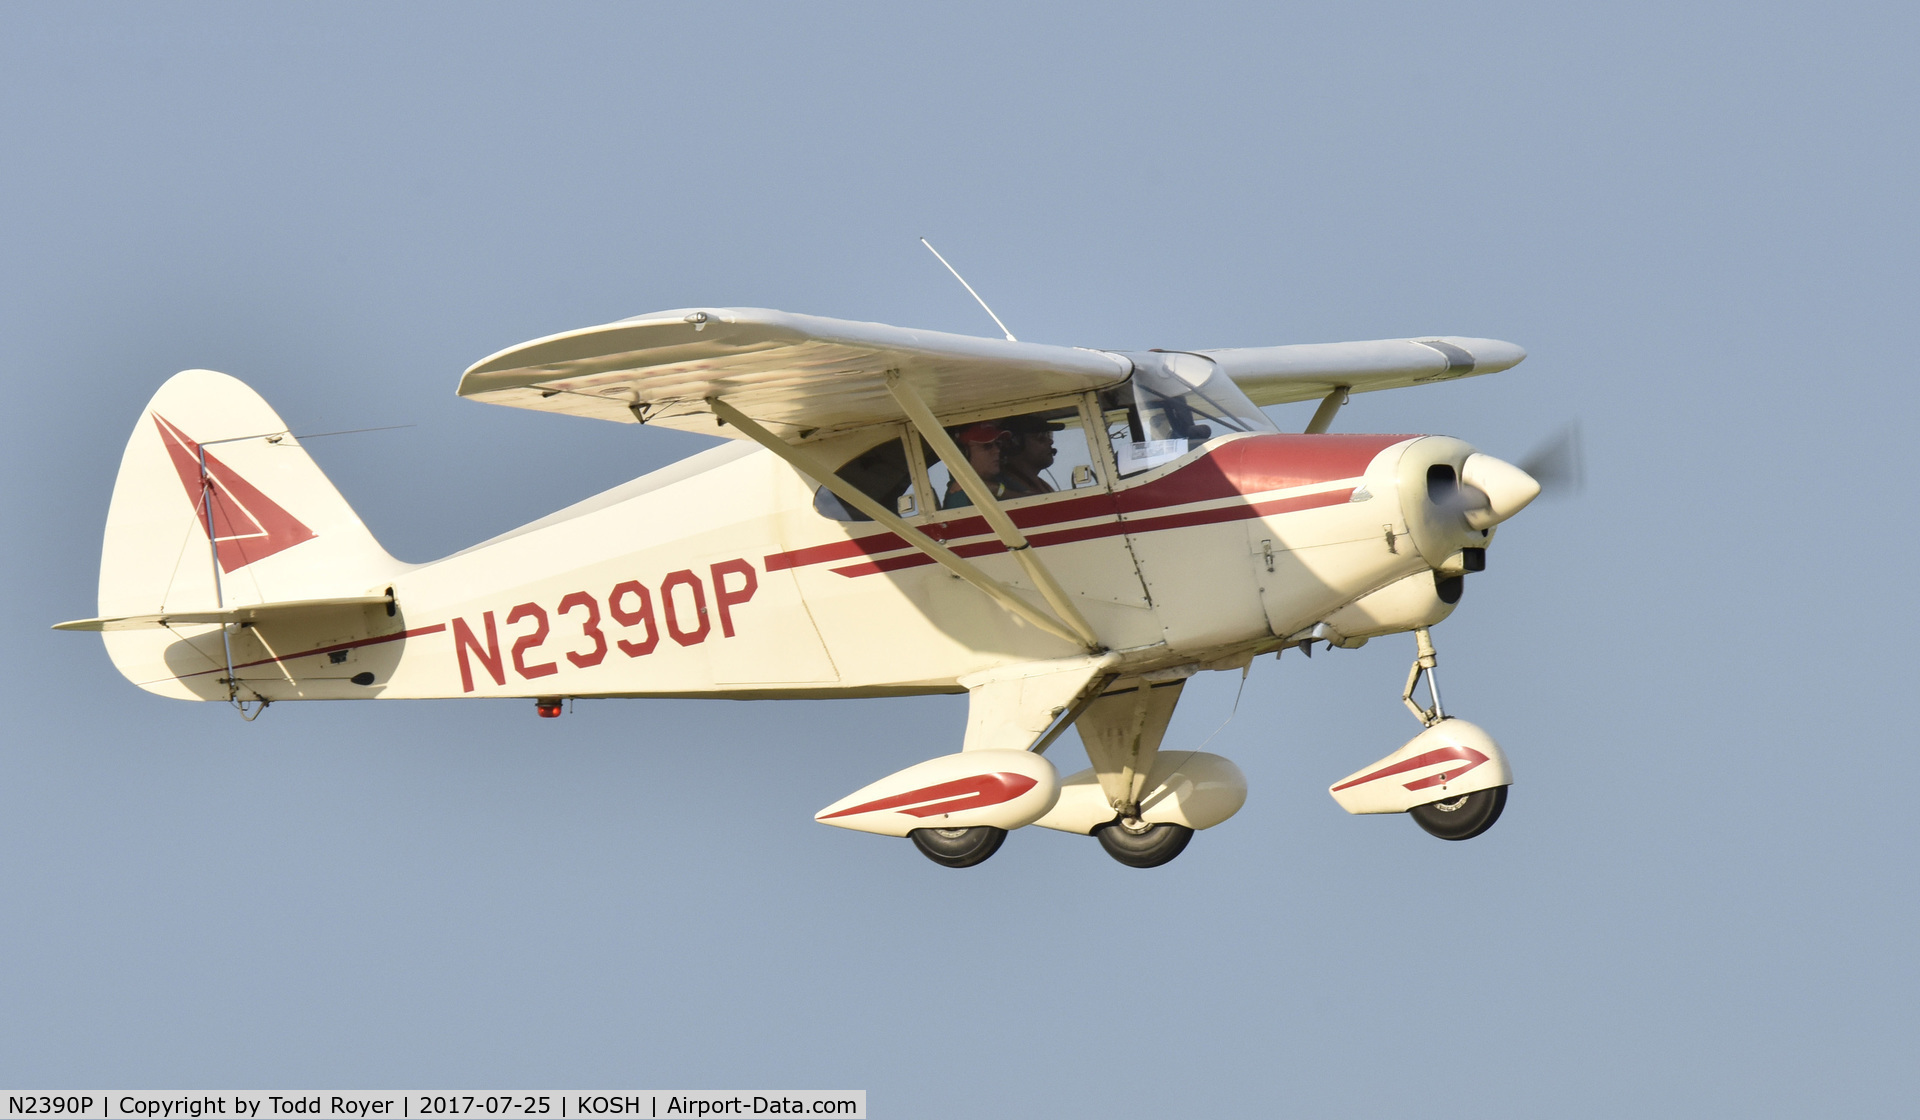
<point x="1029" y="452"/>
<point x="981" y="443"/>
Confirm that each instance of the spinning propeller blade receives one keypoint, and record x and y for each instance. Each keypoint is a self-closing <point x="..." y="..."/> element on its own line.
<point x="1558" y="464"/>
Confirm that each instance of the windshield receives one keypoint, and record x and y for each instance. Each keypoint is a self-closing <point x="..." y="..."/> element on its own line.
<point x="1172" y="404"/>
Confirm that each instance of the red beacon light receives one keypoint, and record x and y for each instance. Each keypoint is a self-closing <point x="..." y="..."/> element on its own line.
<point x="547" y="708"/>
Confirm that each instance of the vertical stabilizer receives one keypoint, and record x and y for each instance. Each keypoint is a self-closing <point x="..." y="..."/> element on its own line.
<point x="218" y="506"/>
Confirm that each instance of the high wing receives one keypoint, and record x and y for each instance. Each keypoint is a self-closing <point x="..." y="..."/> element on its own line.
<point x="1280" y="374"/>
<point x="805" y="377"/>
<point x="800" y="375"/>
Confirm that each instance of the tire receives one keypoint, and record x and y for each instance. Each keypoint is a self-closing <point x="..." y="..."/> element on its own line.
<point x="958" y="847"/>
<point x="1463" y="817"/>
<point x="1149" y="847"/>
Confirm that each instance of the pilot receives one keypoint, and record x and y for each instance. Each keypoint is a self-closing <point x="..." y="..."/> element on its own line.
<point x="981" y="442"/>
<point x="1029" y="451"/>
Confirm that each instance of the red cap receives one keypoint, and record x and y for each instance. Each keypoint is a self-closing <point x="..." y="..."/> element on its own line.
<point x="983" y="432"/>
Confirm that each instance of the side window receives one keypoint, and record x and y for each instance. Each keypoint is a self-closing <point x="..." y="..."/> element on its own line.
<point x="1023" y="456"/>
<point x="881" y="473"/>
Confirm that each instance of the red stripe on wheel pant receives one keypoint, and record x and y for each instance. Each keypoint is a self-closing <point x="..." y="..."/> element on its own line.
<point x="1468" y="754"/>
<point x="1442" y="778"/>
<point x="973" y="792"/>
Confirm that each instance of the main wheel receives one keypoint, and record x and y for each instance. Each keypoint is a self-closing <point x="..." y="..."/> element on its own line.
<point x="958" y="847"/>
<point x="1142" y="844"/>
<point x="1463" y="817"/>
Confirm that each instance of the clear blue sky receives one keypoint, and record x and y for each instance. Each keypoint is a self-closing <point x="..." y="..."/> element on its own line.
<point x="1698" y="218"/>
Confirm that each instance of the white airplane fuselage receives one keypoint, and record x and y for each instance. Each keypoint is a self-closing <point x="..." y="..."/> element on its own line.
<point x="717" y="577"/>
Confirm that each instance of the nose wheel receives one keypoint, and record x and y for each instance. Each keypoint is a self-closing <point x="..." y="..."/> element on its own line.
<point x="958" y="847"/>
<point x="1463" y="817"/>
<point x="1454" y="818"/>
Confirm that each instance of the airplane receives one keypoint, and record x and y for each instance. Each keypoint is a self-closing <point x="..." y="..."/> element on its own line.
<point x="1065" y="534"/>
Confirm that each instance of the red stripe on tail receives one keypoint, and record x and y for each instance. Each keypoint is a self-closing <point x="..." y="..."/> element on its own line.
<point x="247" y="525"/>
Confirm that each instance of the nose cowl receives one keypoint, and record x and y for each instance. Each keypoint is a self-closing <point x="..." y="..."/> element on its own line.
<point x="1508" y="489"/>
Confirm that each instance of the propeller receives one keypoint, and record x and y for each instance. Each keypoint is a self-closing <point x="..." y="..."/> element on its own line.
<point x="1485" y="491"/>
<point x="1558" y="465"/>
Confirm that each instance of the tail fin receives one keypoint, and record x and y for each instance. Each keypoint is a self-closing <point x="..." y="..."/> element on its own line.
<point x="218" y="506"/>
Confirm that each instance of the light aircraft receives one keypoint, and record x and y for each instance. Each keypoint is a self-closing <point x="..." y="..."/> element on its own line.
<point x="1064" y="534"/>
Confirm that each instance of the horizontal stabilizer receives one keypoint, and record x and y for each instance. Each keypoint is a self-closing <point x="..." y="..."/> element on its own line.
<point x="257" y="612"/>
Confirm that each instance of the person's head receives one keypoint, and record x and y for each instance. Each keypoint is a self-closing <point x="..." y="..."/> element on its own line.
<point x="1030" y="442"/>
<point x="1034" y="449"/>
<point x="981" y="442"/>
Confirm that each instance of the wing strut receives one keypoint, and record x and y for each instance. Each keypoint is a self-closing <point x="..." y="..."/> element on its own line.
<point x="804" y="462"/>
<point x="1323" y="416"/>
<point x="1003" y="526"/>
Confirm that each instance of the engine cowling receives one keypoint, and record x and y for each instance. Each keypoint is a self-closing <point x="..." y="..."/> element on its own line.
<point x="1406" y="604"/>
<point x="995" y="788"/>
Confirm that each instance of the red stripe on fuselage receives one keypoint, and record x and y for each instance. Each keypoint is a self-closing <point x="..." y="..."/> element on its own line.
<point x="1255" y="465"/>
<point x="1237" y="467"/>
<point x="1113" y="529"/>
<point x="1258" y="465"/>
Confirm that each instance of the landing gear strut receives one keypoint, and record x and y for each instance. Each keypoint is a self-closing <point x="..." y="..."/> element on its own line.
<point x="1423" y="665"/>
<point x="1122" y="732"/>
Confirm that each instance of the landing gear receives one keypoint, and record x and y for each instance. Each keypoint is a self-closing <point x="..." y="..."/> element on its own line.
<point x="959" y="847"/>
<point x="1452" y="818"/>
<point x="1122" y="732"/>
<point x="1463" y="817"/>
<point x="1139" y="844"/>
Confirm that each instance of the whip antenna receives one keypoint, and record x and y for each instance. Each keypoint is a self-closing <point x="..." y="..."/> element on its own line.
<point x="970" y="291"/>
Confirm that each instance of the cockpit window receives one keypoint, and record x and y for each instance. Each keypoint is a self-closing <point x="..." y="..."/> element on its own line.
<point x="1024" y="456"/>
<point x="881" y="473"/>
<point x="1172" y="404"/>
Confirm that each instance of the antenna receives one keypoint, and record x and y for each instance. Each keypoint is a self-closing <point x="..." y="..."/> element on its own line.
<point x="970" y="291"/>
